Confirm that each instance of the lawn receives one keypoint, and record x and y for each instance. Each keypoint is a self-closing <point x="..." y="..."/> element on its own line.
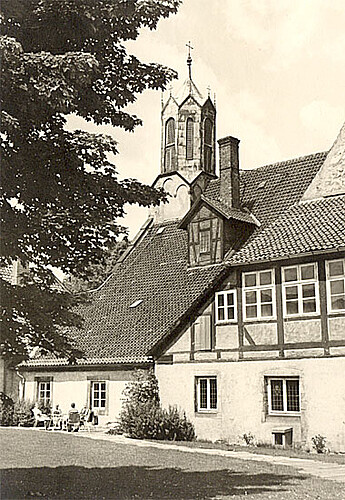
<point x="338" y="458"/>
<point x="40" y="464"/>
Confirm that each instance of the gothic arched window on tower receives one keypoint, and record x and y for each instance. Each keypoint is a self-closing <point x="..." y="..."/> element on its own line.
<point x="169" y="154"/>
<point x="189" y="138"/>
<point x="208" y="129"/>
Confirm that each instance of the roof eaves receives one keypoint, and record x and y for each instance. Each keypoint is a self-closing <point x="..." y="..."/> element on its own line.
<point x="287" y="257"/>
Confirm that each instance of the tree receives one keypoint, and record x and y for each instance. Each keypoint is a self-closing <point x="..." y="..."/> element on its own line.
<point x="97" y="273"/>
<point x="60" y="196"/>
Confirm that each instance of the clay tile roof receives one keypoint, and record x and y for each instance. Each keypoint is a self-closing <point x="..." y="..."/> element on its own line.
<point x="308" y="227"/>
<point x="156" y="273"/>
<point x="231" y="213"/>
<point x="155" y="269"/>
<point x="267" y="191"/>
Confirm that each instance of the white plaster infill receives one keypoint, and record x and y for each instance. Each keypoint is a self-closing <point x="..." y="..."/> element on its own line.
<point x="324" y="470"/>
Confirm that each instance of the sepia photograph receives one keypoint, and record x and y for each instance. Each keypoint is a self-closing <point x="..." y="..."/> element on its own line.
<point x="172" y="264"/>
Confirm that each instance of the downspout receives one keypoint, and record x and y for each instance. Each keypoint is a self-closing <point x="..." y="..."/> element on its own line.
<point x="22" y="384"/>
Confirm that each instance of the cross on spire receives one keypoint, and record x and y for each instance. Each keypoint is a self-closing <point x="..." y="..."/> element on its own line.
<point x="189" y="59"/>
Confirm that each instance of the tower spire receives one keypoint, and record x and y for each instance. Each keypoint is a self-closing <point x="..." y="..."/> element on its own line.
<point x="189" y="60"/>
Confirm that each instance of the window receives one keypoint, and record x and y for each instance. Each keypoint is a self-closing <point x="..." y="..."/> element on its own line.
<point x="283" y="395"/>
<point x="206" y="393"/>
<point x="203" y="333"/>
<point x="226" y="306"/>
<point x="205" y="240"/>
<point x="300" y="290"/>
<point x="335" y="272"/>
<point x="208" y="132"/>
<point x="98" y="395"/>
<point x="44" y="392"/>
<point x="189" y="138"/>
<point x="169" y="158"/>
<point x="258" y="295"/>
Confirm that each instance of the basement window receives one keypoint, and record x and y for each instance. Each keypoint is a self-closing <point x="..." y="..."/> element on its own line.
<point x="283" y="395"/>
<point x="136" y="303"/>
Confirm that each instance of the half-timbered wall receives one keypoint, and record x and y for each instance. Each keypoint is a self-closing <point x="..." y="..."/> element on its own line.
<point x="308" y="335"/>
<point x="205" y="238"/>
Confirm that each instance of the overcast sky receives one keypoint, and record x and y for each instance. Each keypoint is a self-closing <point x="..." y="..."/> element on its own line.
<point x="277" y="68"/>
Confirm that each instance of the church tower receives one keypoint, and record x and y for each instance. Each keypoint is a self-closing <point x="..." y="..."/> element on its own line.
<point x="188" y="148"/>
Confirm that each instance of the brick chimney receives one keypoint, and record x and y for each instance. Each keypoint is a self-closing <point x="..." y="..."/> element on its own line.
<point x="229" y="171"/>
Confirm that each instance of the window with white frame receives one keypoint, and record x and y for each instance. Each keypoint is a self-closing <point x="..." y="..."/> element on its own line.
<point x="206" y="393"/>
<point x="44" y="392"/>
<point x="335" y="273"/>
<point x="258" y="295"/>
<point x="226" y="307"/>
<point x="98" y="395"/>
<point x="283" y="395"/>
<point x="300" y="290"/>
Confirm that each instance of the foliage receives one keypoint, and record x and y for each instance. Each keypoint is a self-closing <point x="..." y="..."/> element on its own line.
<point x="98" y="273"/>
<point x="6" y="409"/>
<point x="319" y="443"/>
<point x="61" y="196"/>
<point x="23" y="415"/>
<point x="142" y="416"/>
<point x="176" y="426"/>
<point x="249" y="439"/>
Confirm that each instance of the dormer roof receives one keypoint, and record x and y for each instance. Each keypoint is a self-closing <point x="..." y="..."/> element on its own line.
<point x="222" y="209"/>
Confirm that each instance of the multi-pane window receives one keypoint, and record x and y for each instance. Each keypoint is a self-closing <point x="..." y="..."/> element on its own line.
<point x="205" y="240"/>
<point x="283" y="395"/>
<point x="189" y="138"/>
<point x="300" y="290"/>
<point x="206" y="393"/>
<point x="98" y="395"/>
<point x="258" y="295"/>
<point x="44" y="392"/>
<point x="226" y="306"/>
<point x="335" y="272"/>
<point x="169" y="159"/>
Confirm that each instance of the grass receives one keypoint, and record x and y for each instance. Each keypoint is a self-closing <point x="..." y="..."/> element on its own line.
<point x="337" y="458"/>
<point x="38" y="464"/>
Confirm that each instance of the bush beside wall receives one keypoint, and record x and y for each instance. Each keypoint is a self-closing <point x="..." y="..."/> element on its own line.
<point x="142" y="416"/>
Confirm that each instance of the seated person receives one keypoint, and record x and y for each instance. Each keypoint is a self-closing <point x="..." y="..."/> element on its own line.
<point x="84" y="413"/>
<point x="40" y="417"/>
<point x="73" y="419"/>
<point x="57" y="418"/>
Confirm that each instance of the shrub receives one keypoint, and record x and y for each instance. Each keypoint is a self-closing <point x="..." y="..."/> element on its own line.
<point x="22" y="414"/>
<point x="6" y="409"/>
<point x="143" y="417"/>
<point x="319" y="443"/>
<point x="249" y="439"/>
<point x="176" y="426"/>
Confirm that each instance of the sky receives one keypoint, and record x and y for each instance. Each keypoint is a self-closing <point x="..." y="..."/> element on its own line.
<point x="277" y="68"/>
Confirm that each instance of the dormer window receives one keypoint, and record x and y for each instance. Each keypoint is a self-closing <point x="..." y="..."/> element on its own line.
<point x="189" y="138"/>
<point x="208" y="132"/>
<point x="205" y="241"/>
<point x="169" y="154"/>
